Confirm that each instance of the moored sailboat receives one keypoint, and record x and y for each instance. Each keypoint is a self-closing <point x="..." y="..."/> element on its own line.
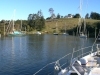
<point x="15" y="32"/>
<point x="11" y="31"/>
<point x="65" y="33"/>
<point x="81" y="25"/>
<point x="82" y="33"/>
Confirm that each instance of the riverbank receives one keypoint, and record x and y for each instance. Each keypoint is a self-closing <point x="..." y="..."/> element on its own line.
<point x="60" y="25"/>
<point x="70" y="24"/>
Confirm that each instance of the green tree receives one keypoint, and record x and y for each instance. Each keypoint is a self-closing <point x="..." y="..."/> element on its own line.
<point x="52" y="13"/>
<point x="48" y="18"/>
<point x="76" y="16"/>
<point x="61" y="16"/>
<point x="87" y="16"/>
<point x="95" y="15"/>
<point x="58" y="16"/>
<point x="36" y="21"/>
<point x="30" y="16"/>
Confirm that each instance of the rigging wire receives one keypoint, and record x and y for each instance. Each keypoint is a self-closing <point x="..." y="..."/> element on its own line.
<point x="95" y="40"/>
<point x="51" y="63"/>
<point x="43" y="68"/>
<point x="70" y="53"/>
<point x="62" y="58"/>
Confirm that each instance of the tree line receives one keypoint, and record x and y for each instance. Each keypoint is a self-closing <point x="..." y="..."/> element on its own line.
<point x="93" y="15"/>
<point x="36" y="21"/>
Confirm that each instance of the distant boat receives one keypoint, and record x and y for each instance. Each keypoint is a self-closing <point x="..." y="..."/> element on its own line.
<point x="56" y="33"/>
<point x="65" y="34"/>
<point x="65" y="31"/>
<point x="82" y="28"/>
<point x="38" y="33"/>
<point x="14" y="32"/>
<point x="82" y="35"/>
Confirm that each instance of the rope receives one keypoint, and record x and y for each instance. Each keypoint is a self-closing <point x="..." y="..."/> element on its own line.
<point x="51" y="63"/>
<point x="69" y="54"/>
<point x="63" y="57"/>
<point x="95" y="41"/>
<point x="43" y="68"/>
<point x="63" y="64"/>
<point x="82" y="48"/>
<point x="83" y="54"/>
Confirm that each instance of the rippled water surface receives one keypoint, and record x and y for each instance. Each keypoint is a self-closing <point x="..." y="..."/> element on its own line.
<point x="26" y="55"/>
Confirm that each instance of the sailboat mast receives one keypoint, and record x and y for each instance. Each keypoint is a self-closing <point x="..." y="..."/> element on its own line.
<point x="13" y="25"/>
<point x="21" y="25"/>
<point x="84" y="26"/>
<point x="13" y="19"/>
<point x="80" y="23"/>
<point x="4" y="29"/>
<point x="80" y="13"/>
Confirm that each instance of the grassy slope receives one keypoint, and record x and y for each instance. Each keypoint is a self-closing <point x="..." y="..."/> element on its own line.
<point x="51" y="25"/>
<point x="70" y="23"/>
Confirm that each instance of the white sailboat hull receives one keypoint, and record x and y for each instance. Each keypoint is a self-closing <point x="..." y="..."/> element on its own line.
<point x="55" y="33"/>
<point x="90" y="61"/>
<point x="83" y="36"/>
<point x="38" y="33"/>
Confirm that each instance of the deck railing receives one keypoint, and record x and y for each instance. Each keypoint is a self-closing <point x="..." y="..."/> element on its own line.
<point x="59" y="64"/>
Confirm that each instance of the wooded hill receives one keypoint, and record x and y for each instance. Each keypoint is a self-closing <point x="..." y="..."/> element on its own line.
<point x="69" y="24"/>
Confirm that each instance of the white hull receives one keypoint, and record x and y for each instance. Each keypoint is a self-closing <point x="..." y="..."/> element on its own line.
<point x="83" y="64"/>
<point x="55" y="33"/>
<point x="38" y="33"/>
<point x="87" y="65"/>
<point x="65" y="34"/>
<point x="83" y="36"/>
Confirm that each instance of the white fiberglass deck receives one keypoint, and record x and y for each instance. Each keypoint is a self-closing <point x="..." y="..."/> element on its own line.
<point x="95" y="71"/>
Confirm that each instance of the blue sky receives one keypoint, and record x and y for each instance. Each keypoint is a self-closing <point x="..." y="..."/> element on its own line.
<point x="63" y="7"/>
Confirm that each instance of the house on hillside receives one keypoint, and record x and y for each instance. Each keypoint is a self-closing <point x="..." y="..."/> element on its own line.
<point x="69" y="16"/>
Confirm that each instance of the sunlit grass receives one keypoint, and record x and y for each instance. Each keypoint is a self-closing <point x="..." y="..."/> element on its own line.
<point x="67" y="23"/>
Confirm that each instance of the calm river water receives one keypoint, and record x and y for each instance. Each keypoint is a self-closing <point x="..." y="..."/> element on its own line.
<point x="26" y="55"/>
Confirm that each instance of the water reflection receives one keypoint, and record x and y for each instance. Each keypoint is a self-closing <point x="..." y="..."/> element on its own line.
<point x="12" y="50"/>
<point x="26" y="55"/>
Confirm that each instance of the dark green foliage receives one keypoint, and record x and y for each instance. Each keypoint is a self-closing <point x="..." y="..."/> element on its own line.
<point x="2" y="21"/>
<point x="89" y="28"/>
<point x="87" y="16"/>
<point x="61" y="16"/>
<point x="36" y="21"/>
<point x="95" y="15"/>
<point x="48" y="18"/>
<point x="58" y="16"/>
<point x="76" y="16"/>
